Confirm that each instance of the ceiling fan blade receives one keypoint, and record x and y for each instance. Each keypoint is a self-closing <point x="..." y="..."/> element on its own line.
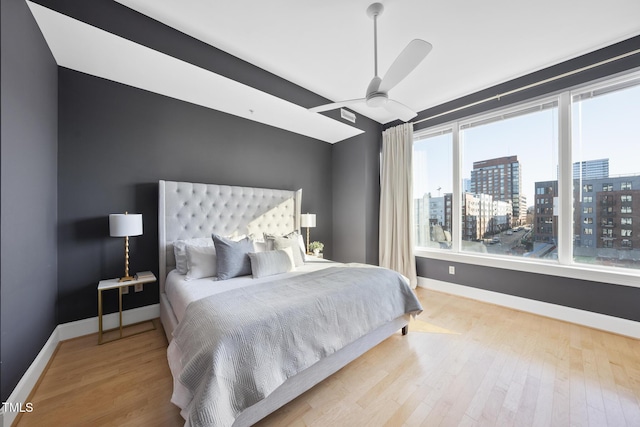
<point x="405" y="63"/>
<point x="336" y="105"/>
<point x="400" y="110"/>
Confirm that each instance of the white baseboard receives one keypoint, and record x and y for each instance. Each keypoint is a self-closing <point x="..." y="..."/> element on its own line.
<point x="603" y="322"/>
<point x="109" y="321"/>
<point x="64" y="332"/>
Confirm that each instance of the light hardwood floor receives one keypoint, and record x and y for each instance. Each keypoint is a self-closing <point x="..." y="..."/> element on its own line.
<point x="464" y="363"/>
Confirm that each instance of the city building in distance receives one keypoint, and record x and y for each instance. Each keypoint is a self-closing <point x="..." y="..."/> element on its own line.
<point x="501" y="178"/>
<point x="603" y="209"/>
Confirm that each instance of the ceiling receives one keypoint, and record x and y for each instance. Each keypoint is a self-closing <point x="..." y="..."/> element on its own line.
<point x="327" y="46"/>
<point x="88" y="49"/>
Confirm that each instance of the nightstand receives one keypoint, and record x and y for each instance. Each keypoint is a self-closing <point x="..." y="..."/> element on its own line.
<point x="105" y="285"/>
<point x="319" y="258"/>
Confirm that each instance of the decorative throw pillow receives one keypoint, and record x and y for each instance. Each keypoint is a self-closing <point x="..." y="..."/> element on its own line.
<point x="299" y="249"/>
<point x="201" y="261"/>
<point x="268" y="240"/>
<point x="232" y="257"/>
<point x="180" y="252"/>
<point x="259" y="246"/>
<point x="270" y="263"/>
<point x="285" y="242"/>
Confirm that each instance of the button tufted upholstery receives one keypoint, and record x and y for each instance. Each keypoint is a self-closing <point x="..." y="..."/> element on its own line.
<point x="188" y="210"/>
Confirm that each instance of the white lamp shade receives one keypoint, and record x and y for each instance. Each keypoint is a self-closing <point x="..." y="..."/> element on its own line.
<point x="122" y="225"/>
<point x="308" y="220"/>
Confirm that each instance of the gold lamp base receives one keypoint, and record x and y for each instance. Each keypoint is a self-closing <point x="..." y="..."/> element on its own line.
<point x="126" y="277"/>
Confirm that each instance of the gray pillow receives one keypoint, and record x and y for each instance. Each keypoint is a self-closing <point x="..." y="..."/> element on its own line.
<point x="232" y="257"/>
<point x="270" y="262"/>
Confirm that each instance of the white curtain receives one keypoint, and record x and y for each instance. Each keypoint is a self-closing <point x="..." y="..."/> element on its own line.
<point x="396" y="202"/>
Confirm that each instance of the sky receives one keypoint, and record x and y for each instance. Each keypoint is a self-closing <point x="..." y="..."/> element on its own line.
<point x="603" y="127"/>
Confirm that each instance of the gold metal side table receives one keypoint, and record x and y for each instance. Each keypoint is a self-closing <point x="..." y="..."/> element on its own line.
<point x="108" y="284"/>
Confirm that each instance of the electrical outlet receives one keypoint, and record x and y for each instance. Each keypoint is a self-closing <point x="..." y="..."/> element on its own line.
<point x="125" y="290"/>
<point x="139" y="287"/>
<point x="452" y="269"/>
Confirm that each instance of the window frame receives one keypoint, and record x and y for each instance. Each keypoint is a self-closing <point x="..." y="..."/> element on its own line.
<point x="564" y="266"/>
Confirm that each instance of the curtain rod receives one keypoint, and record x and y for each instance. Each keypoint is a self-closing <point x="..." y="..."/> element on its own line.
<point x="529" y="86"/>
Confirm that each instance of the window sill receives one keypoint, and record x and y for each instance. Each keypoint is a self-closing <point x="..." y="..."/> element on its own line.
<point x="575" y="271"/>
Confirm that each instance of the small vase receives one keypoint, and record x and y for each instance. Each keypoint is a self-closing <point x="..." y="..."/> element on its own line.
<point x="316" y="252"/>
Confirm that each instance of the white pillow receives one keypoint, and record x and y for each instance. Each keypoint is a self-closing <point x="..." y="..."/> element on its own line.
<point x="296" y="242"/>
<point x="259" y="246"/>
<point x="201" y="262"/>
<point x="303" y="247"/>
<point x="179" y="250"/>
<point x="284" y="242"/>
<point x="270" y="263"/>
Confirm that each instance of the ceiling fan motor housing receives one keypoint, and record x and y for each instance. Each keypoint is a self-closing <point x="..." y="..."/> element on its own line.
<point x="375" y="98"/>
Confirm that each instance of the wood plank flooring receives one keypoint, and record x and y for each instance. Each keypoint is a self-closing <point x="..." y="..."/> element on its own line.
<point x="464" y="363"/>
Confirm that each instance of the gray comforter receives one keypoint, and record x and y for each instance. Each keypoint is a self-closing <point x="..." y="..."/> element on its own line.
<point x="237" y="347"/>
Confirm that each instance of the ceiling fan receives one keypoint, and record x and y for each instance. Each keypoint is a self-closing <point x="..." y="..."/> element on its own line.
<point x="378" y="89"/>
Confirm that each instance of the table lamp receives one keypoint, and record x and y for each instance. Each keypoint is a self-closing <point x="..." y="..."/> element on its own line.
<point x="308" y="220"/>
<point x="125" y="225"/>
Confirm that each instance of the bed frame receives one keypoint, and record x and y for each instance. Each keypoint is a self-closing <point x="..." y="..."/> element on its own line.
<point x="189" y="210"/>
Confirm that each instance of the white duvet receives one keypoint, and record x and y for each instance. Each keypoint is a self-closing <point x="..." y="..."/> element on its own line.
<point x="233" y="348"/>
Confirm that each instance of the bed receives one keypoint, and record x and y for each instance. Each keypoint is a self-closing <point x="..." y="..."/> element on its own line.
<point x="205" y="358"/>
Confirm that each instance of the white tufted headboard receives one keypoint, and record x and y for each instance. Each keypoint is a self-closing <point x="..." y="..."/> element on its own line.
<point x="187" y="210"/>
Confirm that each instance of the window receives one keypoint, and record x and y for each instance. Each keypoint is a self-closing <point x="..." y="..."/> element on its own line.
<point x="433" y="189"/>
<point x="602" y="139"/>
<point x="504" y="143"/>
<point x="607" y="222"/>
<point x="514" y="194"/>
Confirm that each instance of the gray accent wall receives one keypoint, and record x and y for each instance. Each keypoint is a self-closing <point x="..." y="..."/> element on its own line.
<point x="116" y="142"/>
<point x="356" y="197"/>
<point x="604" y="298"/>
<point x="28" y="193"/>
<point x="597" y="297"/>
